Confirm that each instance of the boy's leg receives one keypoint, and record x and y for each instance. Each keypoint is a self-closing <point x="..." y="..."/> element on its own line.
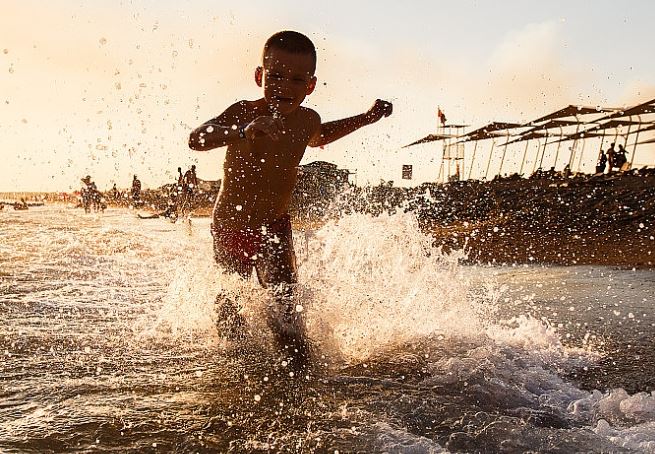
<point x="230" y="321"/>
<point x="276" y="270"/>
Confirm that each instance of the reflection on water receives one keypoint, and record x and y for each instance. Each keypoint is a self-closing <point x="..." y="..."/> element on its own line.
<point x="107" y="331"/>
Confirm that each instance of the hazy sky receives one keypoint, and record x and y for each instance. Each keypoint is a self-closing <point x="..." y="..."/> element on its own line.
<point x="113" y="88"/>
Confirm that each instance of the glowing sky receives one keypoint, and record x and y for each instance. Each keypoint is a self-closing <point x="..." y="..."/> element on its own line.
<point x="113" y="88"/>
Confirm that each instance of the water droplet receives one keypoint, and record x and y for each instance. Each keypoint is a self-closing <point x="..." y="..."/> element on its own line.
<point x="258" y="397"/>
<point x="210" y="129"/>
<point x="239" y="207"/>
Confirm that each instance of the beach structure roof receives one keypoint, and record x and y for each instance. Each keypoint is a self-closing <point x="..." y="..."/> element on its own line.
<point x="556" y="123"/>
<point x="615" y="124"/>
<point x="581" y="135"/>
<point x="454" y="126"/>
<point x="644" y="108"/>
<point x="651" y="140"/>
<point x="323" y="167"/>
<point x="431" y="138"/>
<point x="650" y="127"/>
<point x="488" y="131"/>
<point x="572" y="111"/>
<point x="534" y="134"/>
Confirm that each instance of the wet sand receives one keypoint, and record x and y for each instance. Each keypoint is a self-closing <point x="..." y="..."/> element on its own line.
<point x="579" y="221"/>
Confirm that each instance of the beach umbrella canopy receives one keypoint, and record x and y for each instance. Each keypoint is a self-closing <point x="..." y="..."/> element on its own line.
<point x="538" y="134"/>
<point x="431" y="138"/>
<point x="580" y="135"/>
<point x="616" y="124"/>
<point x="647" y="107"/>
<point x="555" y="123"/>
<point x="489" y="131"/>
<point x="647" y="128"/>
<point x="572" y="111"/>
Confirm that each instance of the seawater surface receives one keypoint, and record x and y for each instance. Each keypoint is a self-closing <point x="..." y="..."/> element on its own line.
<point x="109" y="344"/>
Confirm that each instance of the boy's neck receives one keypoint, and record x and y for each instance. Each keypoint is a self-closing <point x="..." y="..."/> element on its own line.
<point x="272" y="111"/>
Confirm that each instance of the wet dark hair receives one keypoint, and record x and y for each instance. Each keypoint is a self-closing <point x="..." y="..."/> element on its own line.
<point x="292" y="42"/>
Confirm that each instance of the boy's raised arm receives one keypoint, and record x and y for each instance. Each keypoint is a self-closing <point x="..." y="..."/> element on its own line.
<point x="220" y="131"/>
<point x="334" y="130"/>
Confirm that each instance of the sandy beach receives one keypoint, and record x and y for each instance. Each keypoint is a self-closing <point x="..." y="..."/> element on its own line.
<point x="601" y="220"/>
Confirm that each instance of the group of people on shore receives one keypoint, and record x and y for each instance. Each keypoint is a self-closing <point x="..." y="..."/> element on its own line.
<point x="180" y="195"/>
<point x="612" y="159"/>
<point x="92" y="199"/>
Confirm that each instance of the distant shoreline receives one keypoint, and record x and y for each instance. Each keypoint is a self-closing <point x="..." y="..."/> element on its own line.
<point x="606" y="220"/>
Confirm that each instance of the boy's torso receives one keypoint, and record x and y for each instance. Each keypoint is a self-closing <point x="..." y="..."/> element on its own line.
<point x="259" y="175"/>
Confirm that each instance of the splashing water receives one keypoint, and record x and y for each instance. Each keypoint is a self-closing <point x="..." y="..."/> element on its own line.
<point x="108" y="335"/>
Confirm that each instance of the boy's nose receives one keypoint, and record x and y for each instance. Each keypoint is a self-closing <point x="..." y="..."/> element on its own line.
<point x="282" y="90"/>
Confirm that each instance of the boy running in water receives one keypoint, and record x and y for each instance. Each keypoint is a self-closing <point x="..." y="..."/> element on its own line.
<point x="266" y="140"/>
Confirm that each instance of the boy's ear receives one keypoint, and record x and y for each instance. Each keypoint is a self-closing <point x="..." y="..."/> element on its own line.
<point x="311" y="85"/>
<point x="259" y="73"/>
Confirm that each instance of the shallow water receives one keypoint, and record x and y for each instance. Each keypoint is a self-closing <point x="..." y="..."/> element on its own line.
<point x="108" y="338"/>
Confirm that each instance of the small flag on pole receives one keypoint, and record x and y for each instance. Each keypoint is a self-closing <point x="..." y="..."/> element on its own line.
<point x="441" y="116"/>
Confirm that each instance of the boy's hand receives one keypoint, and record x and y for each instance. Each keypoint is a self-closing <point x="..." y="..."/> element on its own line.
<point x="380" y="109"/>
<point x="264" y="126"/>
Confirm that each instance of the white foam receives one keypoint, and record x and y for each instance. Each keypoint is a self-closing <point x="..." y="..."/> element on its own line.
<point x="370" y="283"/>
<point x="379" y="281"/>
<point x="391" y="439"/>
<point x="640" y="438"/>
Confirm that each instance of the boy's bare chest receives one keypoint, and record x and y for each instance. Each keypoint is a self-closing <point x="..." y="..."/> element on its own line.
<point x="264" y="157"/>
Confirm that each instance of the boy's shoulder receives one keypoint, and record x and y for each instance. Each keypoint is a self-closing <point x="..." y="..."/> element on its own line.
<point x="244" y="105"/>
<point x="309" y="114"/>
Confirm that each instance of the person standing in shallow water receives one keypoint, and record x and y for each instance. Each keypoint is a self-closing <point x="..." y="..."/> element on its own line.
<point x="266" y="140"/>
<point x="136" y="191"/>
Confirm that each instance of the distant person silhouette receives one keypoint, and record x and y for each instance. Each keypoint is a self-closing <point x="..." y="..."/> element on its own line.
<point x="611" y="157"/>
<point x="115" y="194"/>
<point x="602" y="162"/>
<point x="136" y="190"/>
<point x="620" y="157"/>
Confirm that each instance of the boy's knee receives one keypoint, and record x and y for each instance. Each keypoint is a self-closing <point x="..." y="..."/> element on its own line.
<point x="284" y="290"/>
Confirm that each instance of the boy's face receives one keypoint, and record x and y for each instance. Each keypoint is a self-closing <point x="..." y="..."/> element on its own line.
<point x="287" y="79"/>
